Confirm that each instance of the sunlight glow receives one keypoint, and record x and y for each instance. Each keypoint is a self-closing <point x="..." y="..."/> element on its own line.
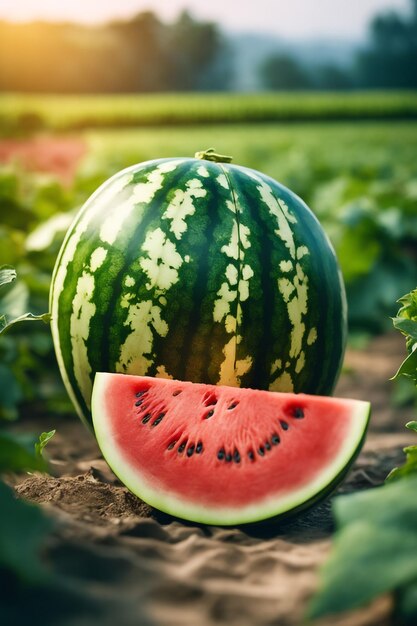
<point x="298" y="18"/>
<point x="86" y="11"/>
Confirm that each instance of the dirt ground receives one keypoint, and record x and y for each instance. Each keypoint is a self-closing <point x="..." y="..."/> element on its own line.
<point x="129" y="565"/>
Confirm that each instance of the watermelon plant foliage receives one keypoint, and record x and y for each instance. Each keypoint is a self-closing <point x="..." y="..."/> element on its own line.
<point x="23" y="452"/>
<point x="406" y="323"/>
<point x="27" y="366"/>
<point x="374" y="550"/>
<point x="22" y="526"/>
<point x="7" y="303"/>
<point x="376" y="543"/>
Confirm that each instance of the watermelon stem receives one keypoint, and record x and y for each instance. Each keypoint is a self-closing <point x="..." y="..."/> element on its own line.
<point x="211" y="155"/>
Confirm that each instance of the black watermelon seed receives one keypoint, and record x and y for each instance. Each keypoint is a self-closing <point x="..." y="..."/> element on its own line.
<point x="138" y="402"/>
<point x="209" y="414"/>
<point x="181" y="447"/>
<point x="275" y="439"/>
<point x="284" y="425"/>
<point x="251" y="455"/>
<point x="158" y="419"/>
<point x="190" y="450"/>
<point x="210" y="399"/>
<point x="267" y="445"/>
<point x="261" y="451"/>
<point x="220" y="454"/>
<point x="228" y="457"/>
<point x="177" y="393"/>
<point x="232" y="406"/>
<point x="171" y="445"/>
<point x="236" y="456"/>
<point x="298" y="413"/>
<point x="199" y="448"/>
<point x="140" y="393"/>
<point x="146" y="418"/>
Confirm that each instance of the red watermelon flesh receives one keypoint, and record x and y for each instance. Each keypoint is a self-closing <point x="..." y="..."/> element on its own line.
<point x="224" y="455"/>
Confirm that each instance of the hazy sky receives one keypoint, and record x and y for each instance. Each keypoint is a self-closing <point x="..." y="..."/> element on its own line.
<point x="293" y="18"/>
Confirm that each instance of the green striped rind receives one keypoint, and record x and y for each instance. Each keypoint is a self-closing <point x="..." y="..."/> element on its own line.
<point x="297" y="500"/>
<point x="198" y="271"/>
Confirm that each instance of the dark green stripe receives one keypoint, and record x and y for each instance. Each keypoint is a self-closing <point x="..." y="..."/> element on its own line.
<point x="323" y="358"/>
<point x="105" y="285"/>
<point x="192" y="361"/>
<point x="126" y="254"/>
<point x="183" y="296"/>
<point x="258" y="310"/>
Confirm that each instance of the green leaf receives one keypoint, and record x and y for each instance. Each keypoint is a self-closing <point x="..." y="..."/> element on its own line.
<point x="406" y="326"/>
<point x="409" y="305"/>
<point x="406" y="605"/>
<point x="15" y="300"/>
<point x="18" y="453"/>
<point x="23" y="527"/>
<point x="14" y="303"/>
<point x="403" y="393"/>
<point x="10" y="393"/>
<point x="406" y="322"/>
<point x="371" y="296"/>
<point x="5" y="324"/>
<point x="376" y="546"/>
<point x="408" y="367"/>
<point x="410" y="465"/>
<point x="7" y="275"/>
<point x="375" y="549"/>
<point x="357" y="259"/>
<point x="44" y="438"/>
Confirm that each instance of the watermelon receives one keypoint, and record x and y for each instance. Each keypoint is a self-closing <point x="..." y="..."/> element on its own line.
<point x="199" y="270"/>
<point x="221" y="455"/>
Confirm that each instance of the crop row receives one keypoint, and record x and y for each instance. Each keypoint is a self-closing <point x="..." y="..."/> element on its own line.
<point x="28" y="113"/>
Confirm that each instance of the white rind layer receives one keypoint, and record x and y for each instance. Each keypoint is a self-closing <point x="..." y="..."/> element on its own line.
<point x="269" y="507"/>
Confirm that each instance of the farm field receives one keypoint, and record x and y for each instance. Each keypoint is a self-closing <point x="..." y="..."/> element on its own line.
<point x="21" y="113"/>
<point x="360" y="179"/>
<point x="333" y="149"/>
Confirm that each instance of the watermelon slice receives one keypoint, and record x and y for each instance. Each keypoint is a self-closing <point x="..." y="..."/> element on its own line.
<point x="223" y="455"/>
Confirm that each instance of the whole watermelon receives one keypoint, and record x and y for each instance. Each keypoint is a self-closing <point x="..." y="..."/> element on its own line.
<point x="199" y="270"/>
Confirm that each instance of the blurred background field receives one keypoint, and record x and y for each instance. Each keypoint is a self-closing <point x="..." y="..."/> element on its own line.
<point x="360" y="179"/>
<point x="81" y="101"/>
<point x="22" y="114"/>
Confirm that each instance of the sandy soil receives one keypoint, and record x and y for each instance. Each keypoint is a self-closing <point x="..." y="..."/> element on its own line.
<point x="129" y="565"/>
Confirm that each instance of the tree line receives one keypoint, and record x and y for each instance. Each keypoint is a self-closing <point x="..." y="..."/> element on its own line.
<point x="388" y="61"/>
<point x="146" y="55"/>
<point x="139" y="55"/>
